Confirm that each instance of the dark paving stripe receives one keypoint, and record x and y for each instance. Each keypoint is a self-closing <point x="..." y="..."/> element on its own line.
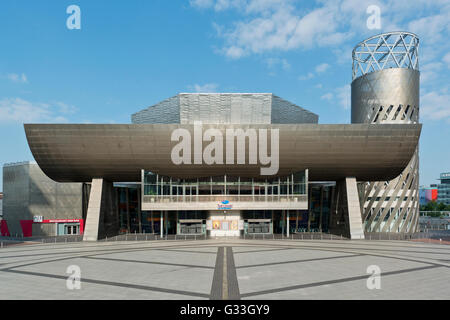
<point x="108" y="248"/>
<point x="217" y="283"/>
<point x="322" y="283"/>
<point x="151" y="262"/>
<point x="80" y="254"/>
<point x="303" y="244"/>
<point x="298" y="261"/>
<point x="39" y="262"/>
<point x="115" y="284"/>
<point x="233" y="285"/>
<point x="186" y="251"/>
<point x="343" y="250"/>
<point x="252" y="251"/>
<point x="102" y="251"/>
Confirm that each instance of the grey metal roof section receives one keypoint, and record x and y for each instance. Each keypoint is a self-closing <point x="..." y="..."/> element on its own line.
<point x="80" y="152"/>
<point x="167" y="111"/>
<point x="224" y="108"/>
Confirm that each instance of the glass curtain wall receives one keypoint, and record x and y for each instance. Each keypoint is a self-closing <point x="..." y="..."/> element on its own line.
<point x="250" y="189"/>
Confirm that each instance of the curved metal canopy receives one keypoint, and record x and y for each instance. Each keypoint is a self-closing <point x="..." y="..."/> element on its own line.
<point x="118" y="152"/>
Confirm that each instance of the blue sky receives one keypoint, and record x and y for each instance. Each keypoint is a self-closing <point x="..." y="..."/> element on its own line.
<point x="131" y="54"/>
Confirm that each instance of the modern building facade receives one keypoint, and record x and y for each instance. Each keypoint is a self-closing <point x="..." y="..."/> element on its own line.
<point x="428" y="194"/>
<point x="35" y="205"/>
<point x="231" y="164"/>
<point x="444" y="188"/>
<point x="385" y="90"/>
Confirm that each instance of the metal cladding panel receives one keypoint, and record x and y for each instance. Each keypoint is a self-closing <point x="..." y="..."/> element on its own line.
<point x="388" y="96"/>
<point x="286" y="112"/>
<point x="224" y="108"/>
<point x="388" y="92"/>
<point x="167" y="111"/>
<point x="117" y="152"/>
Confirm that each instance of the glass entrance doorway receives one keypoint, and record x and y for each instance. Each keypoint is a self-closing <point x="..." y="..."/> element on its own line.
<point x="224" y="224"/>
<point x="71" y="229"/>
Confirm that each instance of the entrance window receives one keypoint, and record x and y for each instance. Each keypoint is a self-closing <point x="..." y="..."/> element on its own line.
<point x="71" y="229"/>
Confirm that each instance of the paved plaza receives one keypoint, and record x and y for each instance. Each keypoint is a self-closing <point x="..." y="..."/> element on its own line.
<point x="226" y="269"/>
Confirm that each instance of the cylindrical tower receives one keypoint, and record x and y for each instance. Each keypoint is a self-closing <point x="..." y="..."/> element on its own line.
<point x="385" y="89"/>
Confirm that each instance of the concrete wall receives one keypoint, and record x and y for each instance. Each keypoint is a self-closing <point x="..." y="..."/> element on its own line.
<point x="29" y="192"/>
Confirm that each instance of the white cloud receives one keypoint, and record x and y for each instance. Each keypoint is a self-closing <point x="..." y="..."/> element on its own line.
<point x="276" y="25"/>
<point x="446" y="59"/>
<point x="310" y="75"/>
<point x="22" y="111"/>
<point x="206" y="88"/>
<point x="327" y="96"/>
<point x="343" y="96"/>
<point x="322" y="67"/>
<point x="281" y="25"/>
<point x="340" y="96"/>
<point x="430" y="71"/>
<point x="202" y="4"/>
<point x="17" y="78"/>
<point x="435" y="106"/>
<point x="272" y="63"/>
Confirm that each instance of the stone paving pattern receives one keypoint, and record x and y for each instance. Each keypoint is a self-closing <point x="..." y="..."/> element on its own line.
<point x="226" y="269"/>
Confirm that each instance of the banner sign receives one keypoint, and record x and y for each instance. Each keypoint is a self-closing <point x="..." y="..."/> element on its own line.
<point x="224" y="205"/>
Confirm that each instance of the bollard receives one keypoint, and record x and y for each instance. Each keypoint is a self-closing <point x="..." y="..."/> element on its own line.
<point x="1" y="246"/>
<point x="341" y="236"/>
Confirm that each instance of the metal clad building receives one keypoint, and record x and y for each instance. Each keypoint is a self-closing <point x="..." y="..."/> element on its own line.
<point x="201" y="163"/>
<point x="385" y="90"/>
<point x="29" y="194"/>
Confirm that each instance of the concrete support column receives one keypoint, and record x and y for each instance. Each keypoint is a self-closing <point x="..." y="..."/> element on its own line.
<point x="161" y="225"/>
<point x="101" y="219"/>
<point x="93" y="212"/>
<point x="287" y="224"/>
<point x="354" y="209"/>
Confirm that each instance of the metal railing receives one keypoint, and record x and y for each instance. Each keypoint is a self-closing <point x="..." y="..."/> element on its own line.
<point x="231" y="198"/>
